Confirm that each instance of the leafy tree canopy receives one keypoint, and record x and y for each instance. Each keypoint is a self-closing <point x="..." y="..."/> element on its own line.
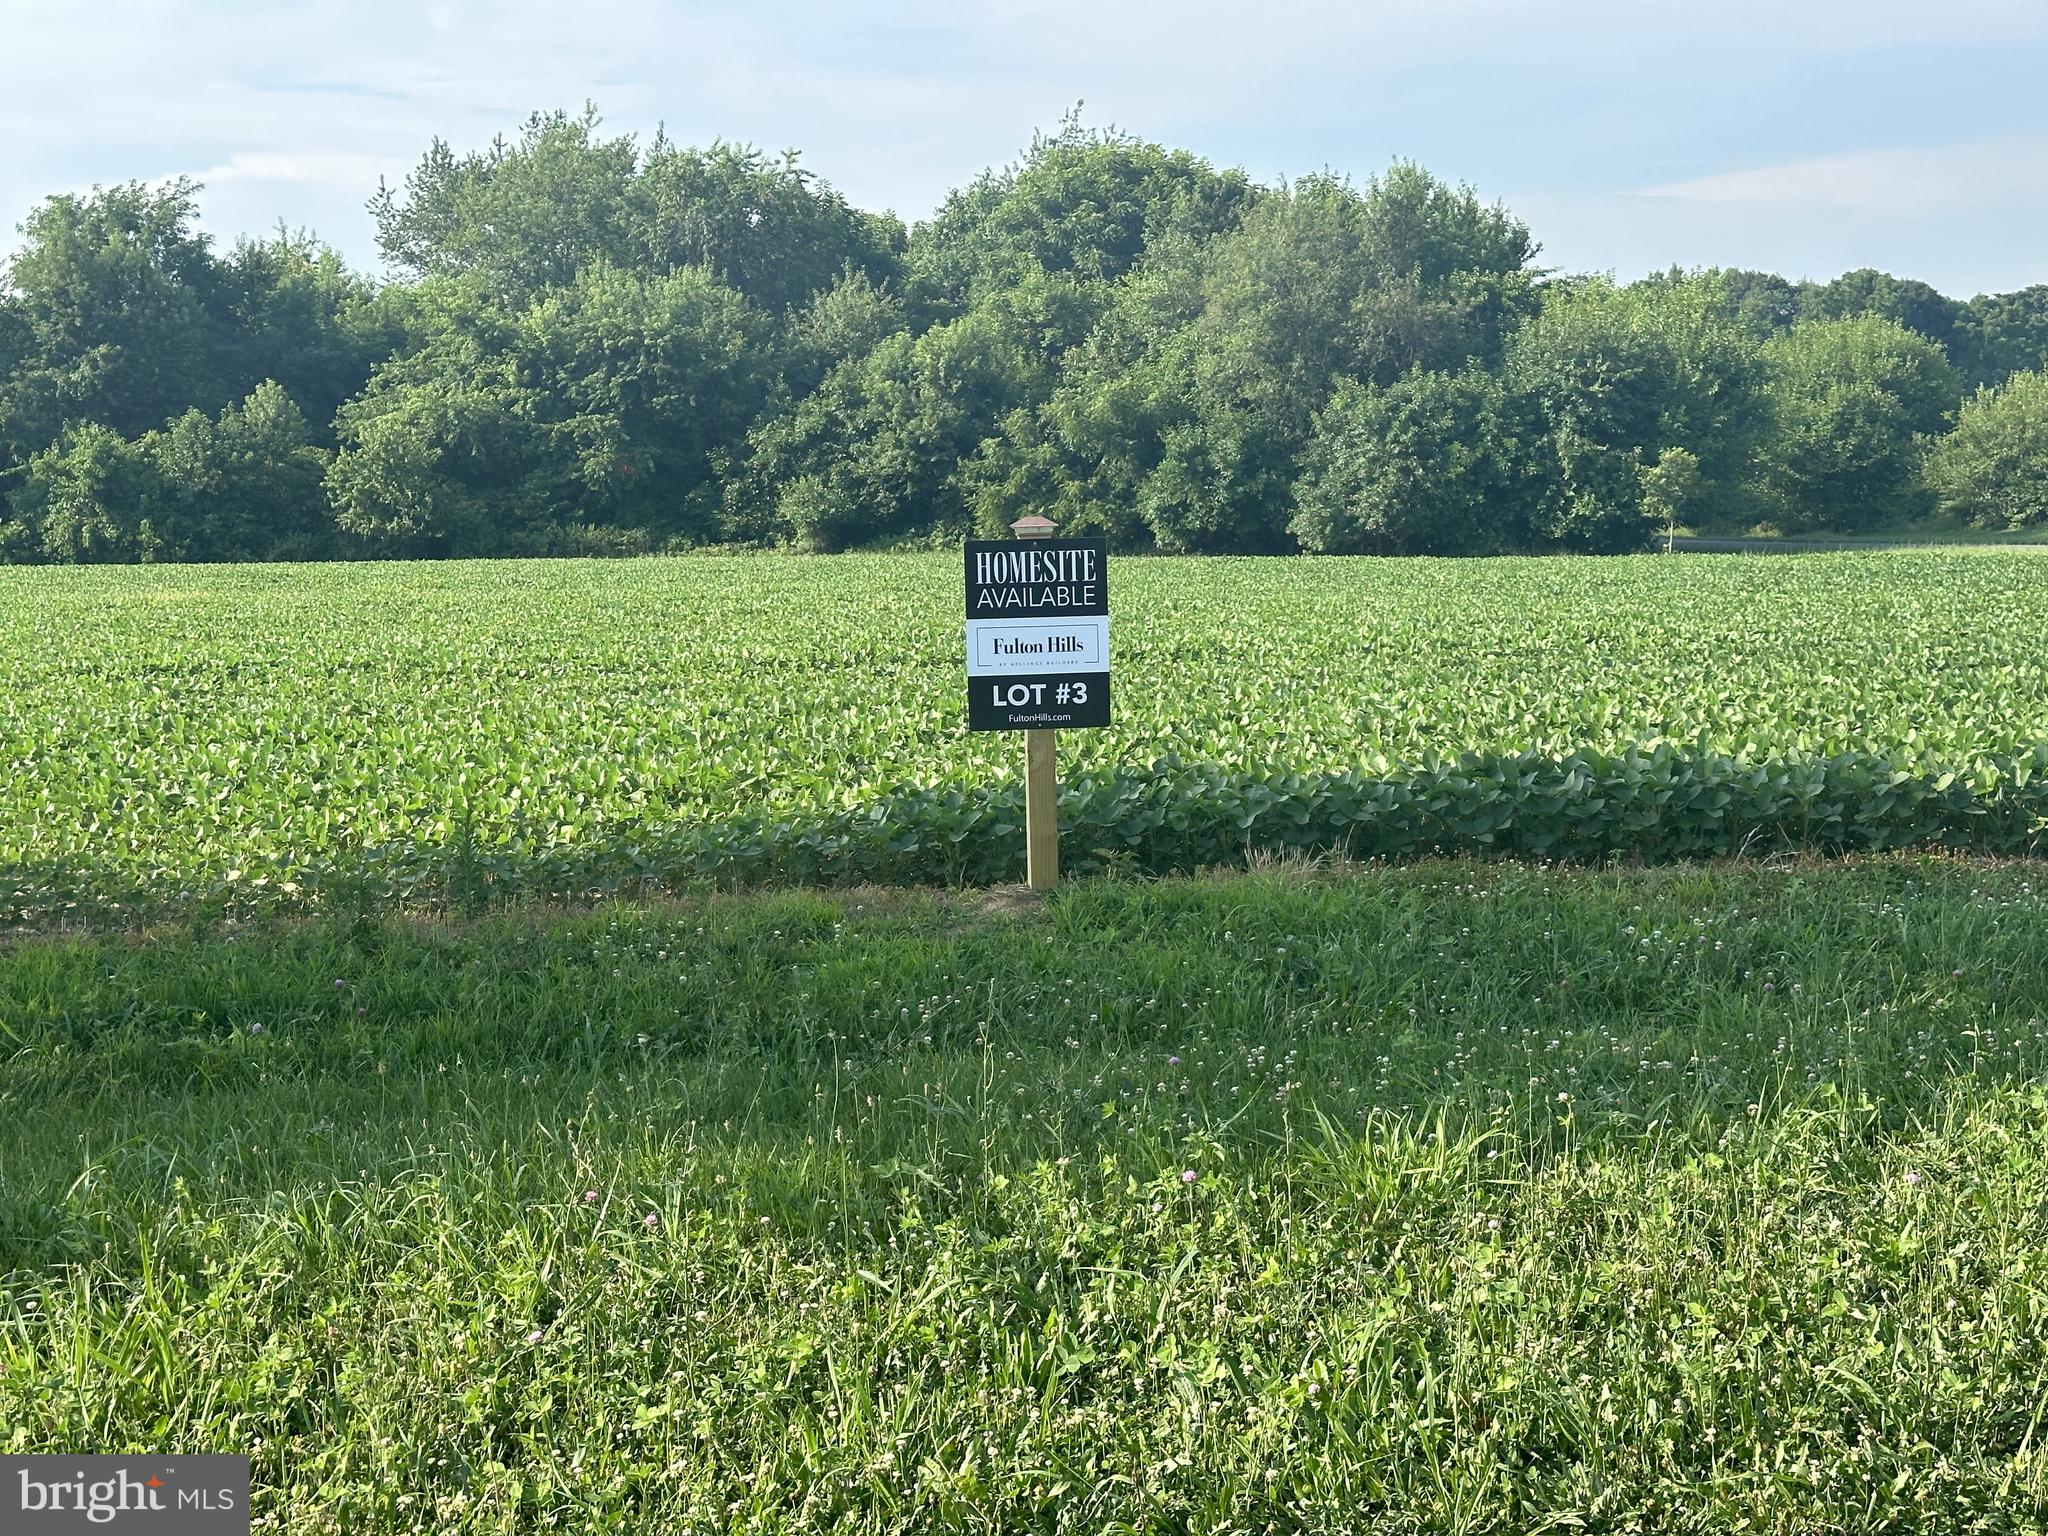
<point x="1433" y="464"/>
<point x="120" y="313"/>
<point x="1636" y="371"/>
<point x="528" y="215"/>
<point x="2000" y="334"/>
<point x="1084" y="202"/>
<point x="1992" y="471"/>
<point x="1852" y="399"/>
<point x="589" y="342"/>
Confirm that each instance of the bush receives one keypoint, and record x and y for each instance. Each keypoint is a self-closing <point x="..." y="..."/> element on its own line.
<point x="245" y="485"/>
<point x="1850" y="399"/>
<point x="80" y="500"/>
<point x="1992" y="470"/>
<point x="1621" y="375"/>
<point x="1435" y="464"/>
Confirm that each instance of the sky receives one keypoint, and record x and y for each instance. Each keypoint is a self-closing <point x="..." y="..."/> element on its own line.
<point x="1806" y="137"/>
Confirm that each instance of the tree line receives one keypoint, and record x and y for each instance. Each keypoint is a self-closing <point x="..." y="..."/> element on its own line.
<point x="588" y="344"/>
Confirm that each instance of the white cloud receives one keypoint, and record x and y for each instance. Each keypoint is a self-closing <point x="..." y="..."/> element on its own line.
<point x="331" y="168"/>
<point x="1947" y="178"/>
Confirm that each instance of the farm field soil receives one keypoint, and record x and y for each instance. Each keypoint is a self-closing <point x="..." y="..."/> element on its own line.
<point x="434" y="734"/>
<point x="1445" y="1197"/>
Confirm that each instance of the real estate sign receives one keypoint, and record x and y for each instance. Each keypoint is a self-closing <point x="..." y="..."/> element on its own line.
<point x="1037" y="634"/>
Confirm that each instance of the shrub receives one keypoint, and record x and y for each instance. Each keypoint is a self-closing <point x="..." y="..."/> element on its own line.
<point x="1992" y="470"/>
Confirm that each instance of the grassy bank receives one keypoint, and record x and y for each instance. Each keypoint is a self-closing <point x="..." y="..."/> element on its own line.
<point x="1444" y="1198"/>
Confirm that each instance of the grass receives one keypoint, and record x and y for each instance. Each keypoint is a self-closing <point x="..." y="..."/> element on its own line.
<point x="1447" y="1198"/>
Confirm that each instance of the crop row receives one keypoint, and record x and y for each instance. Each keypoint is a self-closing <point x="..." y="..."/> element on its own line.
<point x="429" y="730"/>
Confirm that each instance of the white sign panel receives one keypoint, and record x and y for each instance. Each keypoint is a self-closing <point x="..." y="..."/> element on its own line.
<point x="1010" y="647"/>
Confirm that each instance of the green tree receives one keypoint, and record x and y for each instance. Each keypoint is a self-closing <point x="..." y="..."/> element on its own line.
<point x="24" y="418"/>
<point x="442" y="466"/>
<point x="612" y="403"/>
<point x="763" y="226"/>
<point x="1191" y="400"/>
<point x="119" y="314"/>
<point x="1762" y="303"/>
<point x="1621" y="375"/>
<point x="1598" y="507"/>
<point x="650" y="386"/>
<point x="1906" y="301"/>
<point x="80" y="501"/>
<point x="246" y="485"/>
<point x="848" y="319"/>
<point x="517" y="217"/>
<point x="876" y="452"/>
<point x="1433" y="464"/>
<point x="1999" y="334"/>
<point x="1082" y="202"/>
<point x="302" y="319"/>
<point x="1327" y="281"/>
<point x="1850" y="400"/>
<point x="1992" y="470"/>
<point x="1672" y="490"/>
<point x="525" y="216"/>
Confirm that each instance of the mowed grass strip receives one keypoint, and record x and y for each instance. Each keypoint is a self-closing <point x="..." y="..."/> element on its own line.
<point x="1445" y="1198"/>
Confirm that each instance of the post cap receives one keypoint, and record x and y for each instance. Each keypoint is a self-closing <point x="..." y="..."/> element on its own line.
<point x="1032" y="526"/>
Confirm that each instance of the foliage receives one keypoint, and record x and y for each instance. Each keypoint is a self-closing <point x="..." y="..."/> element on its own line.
<point x="1852" y="399"/>
<point x="1904" y="301"/>
<point x="1180" y="419"/>
<point x="598" y="344"/>
<point x="1573" y="1199"/>
<point x="520" y="218"/>
<point x="80" y="501"/>
<point x="848" y="320"/>
<point x="1992" y="471"/>
<point x="240" y="486"/>
<point x="120" y="314"/>
<point x="245" y="484"/>
<point x="1434" y="464"/>
<point x="609" y="403"/>
<point x="1083" y="203"/>
<point x="1623" y="374"/>
<point x="1762" y="303"/>
<point x="404" y="731"/>
<point x="303" y="320"/>
<point x="2000" y="334"/>
<point x="1672" y="488"/>
<point x="872" y="454"/>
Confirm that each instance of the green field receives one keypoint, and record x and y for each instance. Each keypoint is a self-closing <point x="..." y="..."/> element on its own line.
<point x="1450" y="1198"/>
<point x="285" y="734"/>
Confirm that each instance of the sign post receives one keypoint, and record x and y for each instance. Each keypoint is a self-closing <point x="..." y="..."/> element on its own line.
<point x="1038" y="660"/>
<point x="1041" y="810"/>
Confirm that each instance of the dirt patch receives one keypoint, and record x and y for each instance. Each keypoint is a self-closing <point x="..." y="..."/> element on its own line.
<point x="1000" y="901"/>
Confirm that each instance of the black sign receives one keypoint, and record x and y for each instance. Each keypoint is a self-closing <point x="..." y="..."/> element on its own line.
<point x="1037" y="634"/>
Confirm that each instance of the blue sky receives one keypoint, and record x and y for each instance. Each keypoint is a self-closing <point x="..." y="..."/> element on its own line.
<point x="1803" y="136"/>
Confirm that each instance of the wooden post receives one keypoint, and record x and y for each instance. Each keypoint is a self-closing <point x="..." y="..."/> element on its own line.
<point x="1041" y="772"/>
<point x="1041" y="811"/>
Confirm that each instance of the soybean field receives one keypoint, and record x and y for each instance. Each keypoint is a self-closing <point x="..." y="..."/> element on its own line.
<point x="293" y="735"/>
